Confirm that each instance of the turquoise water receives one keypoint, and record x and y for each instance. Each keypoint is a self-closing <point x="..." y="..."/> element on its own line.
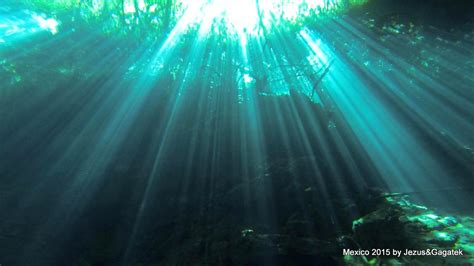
<point x="259" y="145"/>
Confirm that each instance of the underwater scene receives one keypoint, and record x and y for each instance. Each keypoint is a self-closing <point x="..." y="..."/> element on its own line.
<point x="236" y="132"/>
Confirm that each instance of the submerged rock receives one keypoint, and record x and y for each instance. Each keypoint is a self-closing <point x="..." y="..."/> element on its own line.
<point x="402" y="225"/>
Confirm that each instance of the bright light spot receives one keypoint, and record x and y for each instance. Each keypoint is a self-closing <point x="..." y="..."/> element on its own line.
<point x="243" y="16"/>
<point x="247" y="78"/>
<point x="49" y="24"/>
<point x="129" y="6"/>
<point x="153" y="8"/>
